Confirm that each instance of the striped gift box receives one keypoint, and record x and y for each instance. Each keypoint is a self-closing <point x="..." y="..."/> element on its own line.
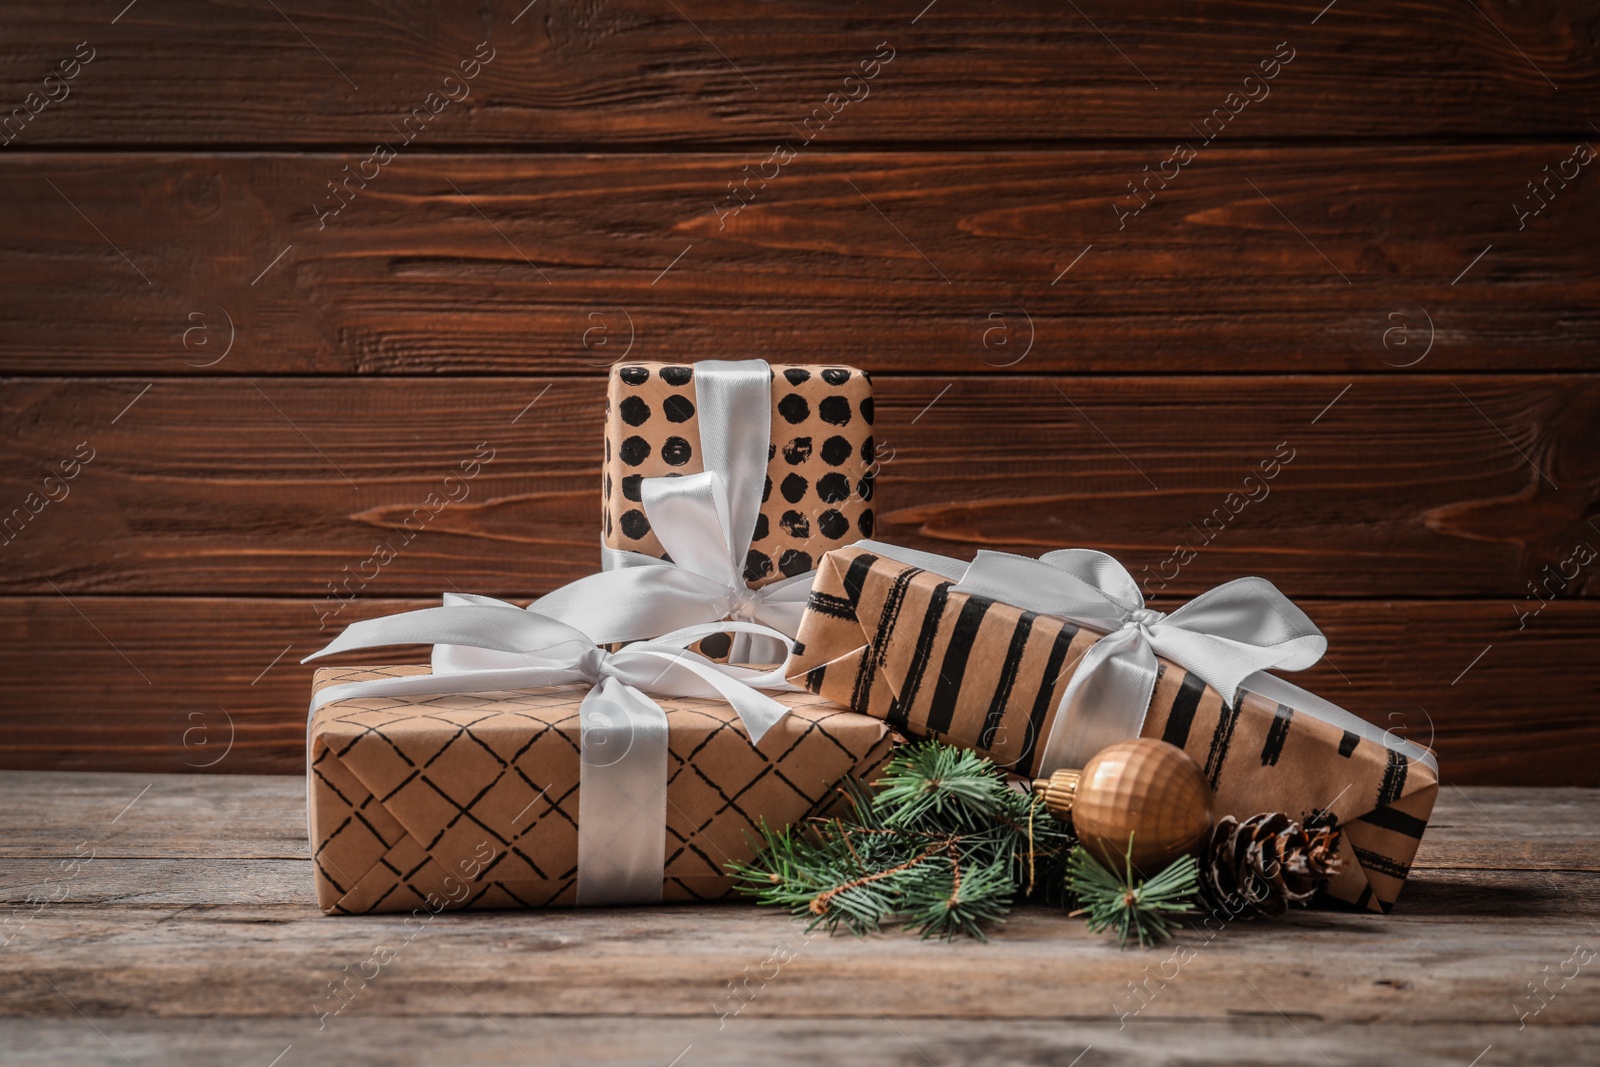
<point x="898" y="643"/>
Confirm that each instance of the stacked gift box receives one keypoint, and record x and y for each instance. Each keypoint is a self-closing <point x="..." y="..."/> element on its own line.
<point x="623" y="739"/>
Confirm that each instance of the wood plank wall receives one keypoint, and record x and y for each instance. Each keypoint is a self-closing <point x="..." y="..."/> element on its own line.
<point x="1103" y="260"/>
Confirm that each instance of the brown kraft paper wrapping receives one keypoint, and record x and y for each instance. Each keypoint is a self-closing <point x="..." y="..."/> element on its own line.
<point x="819" y="466"/>
<point x="897" y="643"/>
<point x="474" y="799"/>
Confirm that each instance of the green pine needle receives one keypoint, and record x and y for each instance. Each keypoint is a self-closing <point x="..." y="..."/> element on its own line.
<point x="941" y="848"/>
<point x="1146" y="911"/>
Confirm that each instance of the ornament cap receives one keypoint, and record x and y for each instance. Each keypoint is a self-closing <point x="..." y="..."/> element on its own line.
<point x="1058" y="791"/>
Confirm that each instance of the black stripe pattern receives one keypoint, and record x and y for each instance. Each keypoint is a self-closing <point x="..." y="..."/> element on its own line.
<point x="880" y="642"/>
<point x="1374" y="861"/>
<point x="1221" y="739"/>
<point x="900" y="707"/>
<point x="836" y="607"/>
<point x="954" y="669"/>
<point x="1044" y="699"/>
<point x="1395" y="821"/>
<point x="1277" y="734"/>
<point x="1181" y="721"/>
<point x="1393" y="786"/>
<point x="1008" y="678"/>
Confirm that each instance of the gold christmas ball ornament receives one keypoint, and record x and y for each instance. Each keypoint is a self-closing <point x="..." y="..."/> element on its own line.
<point x="1143" y="787"/>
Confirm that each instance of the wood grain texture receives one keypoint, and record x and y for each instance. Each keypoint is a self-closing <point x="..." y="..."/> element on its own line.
<point x="269" y="391"/>
<point x="648" y="71"/>
<point x="241" y="958"/>
<point x="214" y="685"/>
<point x="803" y="1042"/>
<point x="1283" y="259"/>
<point x="260" y="818"/>
<point x="676" y="961"/>
<point x="1408" y="486"/>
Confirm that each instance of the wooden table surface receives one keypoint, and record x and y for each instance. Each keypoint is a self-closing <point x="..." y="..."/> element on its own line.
<point x="191" y="937"/>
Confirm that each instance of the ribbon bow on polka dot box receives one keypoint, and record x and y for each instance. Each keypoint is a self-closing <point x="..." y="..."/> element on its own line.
<point x="817" y="493"/>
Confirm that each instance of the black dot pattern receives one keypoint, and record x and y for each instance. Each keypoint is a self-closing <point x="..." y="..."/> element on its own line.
<point x="716" y="646"/>
<point x="832" y="524"/>
<point x="820" y="462"/>
<point x="794" y="408"/>
<point x="836" y="449"/>
<point x="757" y="565"/>
<point x="635" y="412"/>
<point x="792" y="561"/>
<point x="835" y="410"/>
<point x="677" y="408"/>
<point x="634" y="524"/>
<point x="635" y="450"/>
<point x="677" y="451"/>
<point x="833" y="488"/>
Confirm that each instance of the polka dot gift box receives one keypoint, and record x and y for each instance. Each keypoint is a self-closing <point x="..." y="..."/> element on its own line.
<point x="817" y="494"/>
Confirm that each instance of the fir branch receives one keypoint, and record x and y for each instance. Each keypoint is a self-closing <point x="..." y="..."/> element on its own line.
<point x="942" y="848"/>
<point x="1145" y="911"/>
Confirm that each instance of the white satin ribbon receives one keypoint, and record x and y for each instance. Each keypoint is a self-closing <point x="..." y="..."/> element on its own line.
<point x="1223" y="636"/>
<point x="1227" y="637"/>
<point x="705" y="522"/>
<point x="485" y="645"/>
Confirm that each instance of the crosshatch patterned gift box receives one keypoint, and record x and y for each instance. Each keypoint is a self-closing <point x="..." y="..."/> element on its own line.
<point x="474" y="798"/>
<point x="896" y="642"/>
<point x="819" y="466"/>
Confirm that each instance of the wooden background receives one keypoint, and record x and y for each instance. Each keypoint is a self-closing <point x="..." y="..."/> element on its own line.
<point x="1341" y="272"/>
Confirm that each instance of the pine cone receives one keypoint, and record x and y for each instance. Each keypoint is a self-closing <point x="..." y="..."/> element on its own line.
<point x="1264" y="864"/>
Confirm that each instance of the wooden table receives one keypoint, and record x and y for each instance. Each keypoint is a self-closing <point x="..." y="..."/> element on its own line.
<point x="191" y="937"/>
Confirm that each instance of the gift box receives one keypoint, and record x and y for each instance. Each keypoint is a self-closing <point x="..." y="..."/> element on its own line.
<point x="818" y="473"/>
<point x="472" y="800"/>
<point x="901" y="643"/>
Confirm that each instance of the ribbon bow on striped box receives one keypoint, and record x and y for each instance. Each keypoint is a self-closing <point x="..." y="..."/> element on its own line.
<point x="1039" y="670"/>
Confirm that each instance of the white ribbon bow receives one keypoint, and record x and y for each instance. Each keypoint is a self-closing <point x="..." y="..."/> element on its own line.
<point x="484" y="645"/>
<point x="1223" y="637"/>
<point x="705" y="522"/>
